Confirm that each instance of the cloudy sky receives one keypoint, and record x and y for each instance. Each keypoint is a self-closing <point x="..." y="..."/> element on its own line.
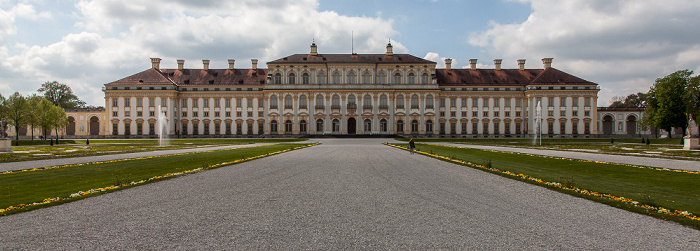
<point x="621" y="45"/>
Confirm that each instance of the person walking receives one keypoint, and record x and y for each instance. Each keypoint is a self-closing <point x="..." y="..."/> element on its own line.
<point x="411" y="145"/>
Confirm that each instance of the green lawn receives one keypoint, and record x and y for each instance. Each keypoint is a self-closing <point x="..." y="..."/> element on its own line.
<point x="35" y="186"/>
<point x="670" y="190"/>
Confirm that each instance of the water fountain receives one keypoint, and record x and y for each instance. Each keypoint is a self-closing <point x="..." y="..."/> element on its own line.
<point x="538" y="124"/>
<point x="162" y="124"/>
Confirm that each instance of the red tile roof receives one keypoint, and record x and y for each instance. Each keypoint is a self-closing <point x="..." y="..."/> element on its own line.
<point x="352" y="58"/>
<point x="510" y="77"/>
<point x="195" y="77"/>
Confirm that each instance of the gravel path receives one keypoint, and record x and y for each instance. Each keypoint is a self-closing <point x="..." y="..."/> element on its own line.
<point x="66" y="161"/>
<point x="634" y="160"/>
<point x="342" y="194"/>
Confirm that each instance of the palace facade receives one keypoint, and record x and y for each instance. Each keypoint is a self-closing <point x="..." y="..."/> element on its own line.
<point x="352" y="94"/>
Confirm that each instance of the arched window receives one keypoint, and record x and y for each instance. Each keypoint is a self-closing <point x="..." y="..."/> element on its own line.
<point x="273" y="127"/>
<point x="336" y="78"/>
<point x="319" y="101"/>
<point x="335" y="102"/>
<point x="399" y="101"/>
<point x="397" y="78"/>
<point x="381" y="78"/>
<point x="305" y="78"/>
<point x="382" y="125"/>
<point x="336" y="125"/>
<point x="302" y="126"/>
<point x="288" y="102"/>
<point x="414" y="126"/>
<point x="383" y="102"/>
<point x="319" y="125"/>
<point x="411" y="78"/>
<point x="302" y="101"/>
<point x="278" y="78"/>
<point x="399" y="126"/>
<point x="424" y="79"/>
<point x="368" y="126"/>
<point x="429" y="126"/>
<point x="288" y="127"/>
<point x="351" y="99"/>
<point x="429" y="101"/>
<point x="366" y="78"/>
<point x="321" y="78"/>
<point x="291" y="79"/>
<point x="273" y="102"/>
<point x="351" y="78"/>
<point x="414" y="101"/>
<point x="367" y="102"/>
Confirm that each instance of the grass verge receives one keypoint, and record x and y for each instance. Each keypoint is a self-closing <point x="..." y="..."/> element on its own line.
<point x="665" y="194"/>
<point x="36" y="188"/>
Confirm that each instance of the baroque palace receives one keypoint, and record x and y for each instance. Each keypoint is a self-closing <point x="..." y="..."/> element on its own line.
<point x="351" y="94"/>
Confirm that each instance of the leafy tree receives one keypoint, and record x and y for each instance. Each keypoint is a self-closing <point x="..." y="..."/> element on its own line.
<point x="60" y="120"/>
<point x="60" y="95"/>
<point x="666" y="106"/>
<point x="692" y="97"/>
<point x="632" y="100"/>
<point x="46" y="118"/>
<point x="34" y="112"/>
<point x="16" y="111"/>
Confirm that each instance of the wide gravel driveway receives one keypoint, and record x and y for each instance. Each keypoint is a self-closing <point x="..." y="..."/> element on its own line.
<point x="342" y="194"/>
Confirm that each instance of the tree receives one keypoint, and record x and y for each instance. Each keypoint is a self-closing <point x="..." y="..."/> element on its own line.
<point x="34" y="112"/>
<point x="666" y="105"/>
<point x="46" y="118"/>
<point x="692" y="97"/>
<point x="60" y="120"/>
<point x="60" y="95"/>
<point x="632" y="100"/>
<point x="16" y="111"/>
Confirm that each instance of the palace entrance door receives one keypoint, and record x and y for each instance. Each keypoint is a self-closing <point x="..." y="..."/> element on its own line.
<point x="352" y="126"/>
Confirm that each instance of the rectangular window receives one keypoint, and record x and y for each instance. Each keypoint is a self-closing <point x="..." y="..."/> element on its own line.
<point x="574" y="113"/>
<point x="475" y="103"/>
<point x="127" y="102"/>
<point x="184" y="128"/>
<point x="496" y="114"/>
<point x="238" y="114"/>
<point x="587" y="113"/>
<point x="550" y="127"/>
<point x="507" y="114"/>
<point x="587" y="102"/>
<point x="206" y="114"/>
<point x="474" y="114"/>
<point x="587" y="128"/>
<point x="195" y="103"/>
<point x="228" y="114"/>
<point x="260" y="114"/>
<point x="574" y="128"/>
<point x="507" y="125"/>
<point x="261" y="103"/>
<point x="151" y="128"/>
<point x="151" y="102"/>
<point x="163" y="102"/>
<point x="507" y="102"/>
<point x="115" y="114"/>
<point x="250" y="114"/>
<point x="127" y="129"/>
<point x="550" y="101"/>
<point x="205" y="103"/>
<point x="139" y="102"/>
<point x="486" y="128"/>
<point x="239" y="103"/>
<point x="442" y="102"/>
<point x="139" y="129"/>
<point x="486" y="114"/>
<point x="574" y="101"/>
<point x="497" y="102"/>
<point x="442" y="114"/>
<point x="453" y="102"/>
<point x="217" y="103"/>
<point x="151" y="114"/>
<point x="228" y="103"/>
<point x="518" y="102"/>
<point x="217" y="114"/>
<point x="127" y="113"/>
<point x="562" y="101"/>
<point x="184" y="103"/>
<point x="249" y="102"/>
<point x="115" y="102"/>
<point x="206" y="128"/>
<point x="496" y="128"/>
<point x="453" y="114"/>
<point x="562" y="128"/>
<point x="562" y="113"/>
<point x="464" y="114"/>
<point x="115" y="129"/>
<point x="139" y="114"/>
<point x="475" y="128"/>
<point x="464" y="102"/>
<point x="486" y="103"/>
<point x="184" y="114"/>
<point x="464" y="128"/>
<point x="550" y="113"/>
<point x="228" y="128"/>
<point x="217" y="128"/>
<point x="517" y="128"/>
<point x="195" y="128"/>
<point x="195" y="114"/>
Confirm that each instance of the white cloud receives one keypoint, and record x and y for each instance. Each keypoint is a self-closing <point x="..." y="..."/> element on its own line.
<point x="435" y="57"/>
<point x="119" y="36"/>
<point x="621" y="45"/>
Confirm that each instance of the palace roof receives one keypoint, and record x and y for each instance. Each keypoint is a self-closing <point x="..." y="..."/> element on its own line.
<point x="352" y="58"/>
<point x="194" y="77"/>
<point x="508" y="77"/>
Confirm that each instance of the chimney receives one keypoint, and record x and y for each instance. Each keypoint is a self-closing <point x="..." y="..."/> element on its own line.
<point x="314" y="50"/>
<point x="230" y="64"/>
<point x="448" y="63"/>
<point x="206" y="64"/>
<point x="547" y="62"/>
<point x="180" y="64"/>
<point x="497" y="63"/>
<point x="521" y="64"/>
<point x="389" y="49"/>
<point x="255" y="63"/>
<point x="155" y="63"/>
<point x="472" y="63"/>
